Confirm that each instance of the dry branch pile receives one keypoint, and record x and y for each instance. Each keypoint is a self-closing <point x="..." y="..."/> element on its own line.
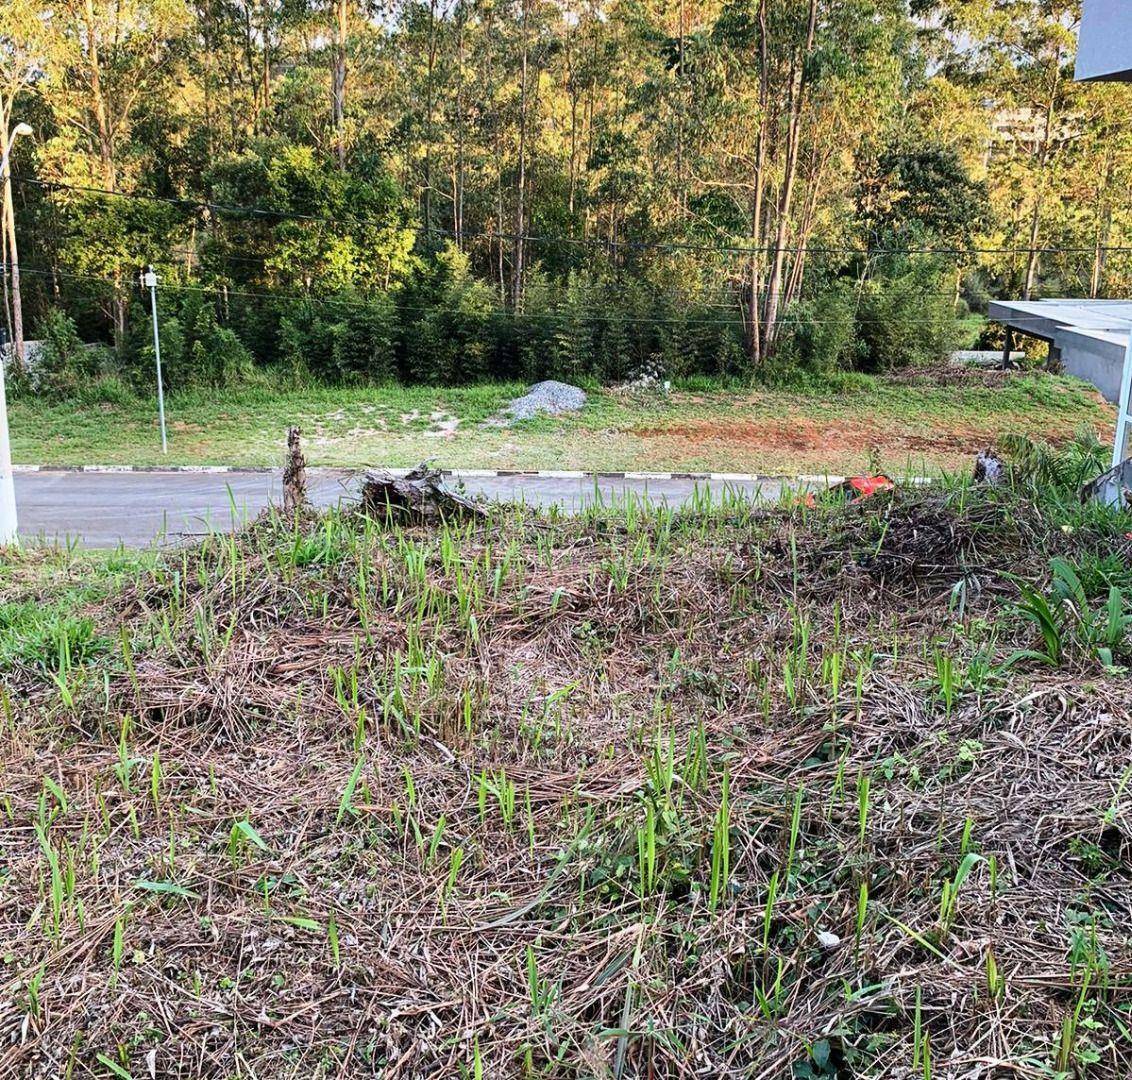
<point x="638" y="795"/>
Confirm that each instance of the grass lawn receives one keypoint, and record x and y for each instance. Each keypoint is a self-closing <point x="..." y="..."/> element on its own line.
<point x="909" y="423"/>
<point x="732" y="792"/>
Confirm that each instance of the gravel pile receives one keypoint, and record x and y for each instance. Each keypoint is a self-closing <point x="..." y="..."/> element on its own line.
<point x="547" y="398"/>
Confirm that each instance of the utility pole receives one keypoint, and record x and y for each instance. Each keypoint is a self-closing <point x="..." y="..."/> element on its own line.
<point x="149" y="281"/>
<point x="8" y="533"/>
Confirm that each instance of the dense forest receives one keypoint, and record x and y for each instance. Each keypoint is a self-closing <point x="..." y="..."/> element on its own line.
<point x="452" y="190"/>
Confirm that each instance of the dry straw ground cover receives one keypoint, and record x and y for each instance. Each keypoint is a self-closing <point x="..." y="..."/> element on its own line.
<point x="792" y="792"/>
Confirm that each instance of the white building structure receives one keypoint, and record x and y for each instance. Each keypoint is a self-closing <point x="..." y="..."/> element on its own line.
<point x="1092" y="338"/>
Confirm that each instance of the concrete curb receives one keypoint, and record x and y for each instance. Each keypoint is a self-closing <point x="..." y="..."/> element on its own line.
<point x="474" y="474"/>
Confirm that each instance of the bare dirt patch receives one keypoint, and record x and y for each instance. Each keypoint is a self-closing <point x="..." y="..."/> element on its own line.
<point x="802" y="434"/>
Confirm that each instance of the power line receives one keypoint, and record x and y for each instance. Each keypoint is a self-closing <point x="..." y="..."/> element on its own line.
<point x="1017" y="322"/>
<point x="716" y="297"/>
<point x="611" y="245"/>
<point x="349" y="303"/>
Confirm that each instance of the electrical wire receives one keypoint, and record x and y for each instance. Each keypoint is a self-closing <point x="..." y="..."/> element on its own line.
<point x="611" y="245"/>
<point x="1016" y="321"/>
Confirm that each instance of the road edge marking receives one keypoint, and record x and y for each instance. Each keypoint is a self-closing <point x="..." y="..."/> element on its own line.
<point x="482" y="474"/>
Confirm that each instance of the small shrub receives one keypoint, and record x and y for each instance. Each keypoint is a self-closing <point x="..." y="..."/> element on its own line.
<point x="818" y="335"/>
<point x="907" y="320"/>
<point x="340" y="342"/>
<point x="65" y="365"/>
<point x="1056" y="472"/>
<point x="106" y="390"/>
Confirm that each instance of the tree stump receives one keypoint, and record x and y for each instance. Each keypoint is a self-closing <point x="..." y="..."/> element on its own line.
<point x="294" y="475"/>
<point x="420" y="494"/>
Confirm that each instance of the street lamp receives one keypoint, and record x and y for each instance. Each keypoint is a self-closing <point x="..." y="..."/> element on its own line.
<point x="7" y="488"/>
<point x="17" y="131"/>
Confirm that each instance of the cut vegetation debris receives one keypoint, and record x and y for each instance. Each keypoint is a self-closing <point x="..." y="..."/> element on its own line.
<point x="839" y="791"/>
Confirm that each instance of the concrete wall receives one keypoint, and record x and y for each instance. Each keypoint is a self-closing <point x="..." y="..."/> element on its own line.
<point x="1086" y="335"/>
<point x="1096" y="361"/>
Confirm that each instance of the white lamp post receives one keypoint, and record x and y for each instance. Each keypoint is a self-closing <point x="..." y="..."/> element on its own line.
<point x="7" y="488"/>
<point x="149" y="281"/>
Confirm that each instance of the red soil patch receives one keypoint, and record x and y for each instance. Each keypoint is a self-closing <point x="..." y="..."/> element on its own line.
<point x="802" y="434"/>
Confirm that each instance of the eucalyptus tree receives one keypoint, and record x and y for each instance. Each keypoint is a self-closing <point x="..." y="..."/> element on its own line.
<point x="20" y="42"/>
<point x="106" y="65"/>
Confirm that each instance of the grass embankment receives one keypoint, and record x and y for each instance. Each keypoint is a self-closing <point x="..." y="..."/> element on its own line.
<point x="914" y="423"/>
<point x="741" y="792"/>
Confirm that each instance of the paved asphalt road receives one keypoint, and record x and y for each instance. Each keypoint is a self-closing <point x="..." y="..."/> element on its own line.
<point x="106" y="509"/>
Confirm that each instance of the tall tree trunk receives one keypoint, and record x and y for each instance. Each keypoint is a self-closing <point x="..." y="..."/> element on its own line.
<point x="1033" y="255"/>
<point x="265" y="66"/>
<point x="4" y="266"/>
<point x="458" y="177"/>
<point x="250" y="62"/>
<point x="338" y="80"/>
<point x="208" y="76"/>
<point x="1104" y="229"/>
<point x="589" y="119"/>
<point x="793" y="289"/>
<point x="13" y="297"/>
<point x="431" y="69"/>
<point x="681" y="194"/>
<point x="102" y="123"/>
<point x="104" y="131"/>
<point x="754" y="299"/>
<point x="1032" y="248"/>
<point x="521" y="181"/>
<point x="786" y="194"/>
<point x="572" y="90"/>
<point x="490" y="88"/>
<point x="233" y="113"/>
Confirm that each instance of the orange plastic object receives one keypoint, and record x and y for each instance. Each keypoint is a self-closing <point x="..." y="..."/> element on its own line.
<point x="864" y="486"/>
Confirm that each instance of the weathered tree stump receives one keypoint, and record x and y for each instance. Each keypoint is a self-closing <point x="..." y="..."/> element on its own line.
<point x="294" y="475"/>
<point x="420" y="495"/>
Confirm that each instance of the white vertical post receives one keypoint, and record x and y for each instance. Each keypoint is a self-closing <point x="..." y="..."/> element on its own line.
<point x="1123" y="417"/>
<point x="8" y="534"/>
<point x="149" y="279"/>
<point x="7" y="487"/>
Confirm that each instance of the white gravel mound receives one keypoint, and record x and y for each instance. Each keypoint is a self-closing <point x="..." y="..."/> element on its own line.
<point x="549" y="398"/>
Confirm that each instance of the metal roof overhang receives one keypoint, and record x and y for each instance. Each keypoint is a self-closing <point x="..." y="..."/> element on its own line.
<point x="1104" y="42"/>
<point x="1094" y="338"/>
